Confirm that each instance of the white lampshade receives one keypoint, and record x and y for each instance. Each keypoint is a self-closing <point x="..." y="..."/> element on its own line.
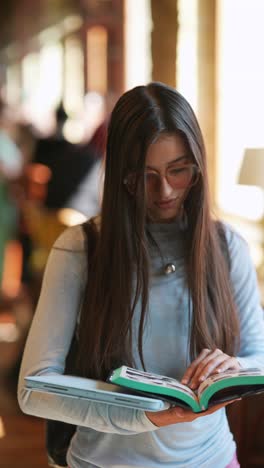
<point x="252" y="169"/>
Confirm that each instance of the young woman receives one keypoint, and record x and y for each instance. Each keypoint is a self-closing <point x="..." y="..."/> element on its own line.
<point x="170" y="290"/>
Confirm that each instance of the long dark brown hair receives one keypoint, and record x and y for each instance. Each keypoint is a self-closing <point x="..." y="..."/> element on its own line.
<point x="119" y="275"/>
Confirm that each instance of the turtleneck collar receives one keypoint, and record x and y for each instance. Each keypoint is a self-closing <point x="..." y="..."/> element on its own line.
<point x="170" y="238"/>
<point x="172" y="227"/>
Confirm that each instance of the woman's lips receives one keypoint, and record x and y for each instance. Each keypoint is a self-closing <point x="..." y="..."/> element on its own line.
<point x="167" y="204"/>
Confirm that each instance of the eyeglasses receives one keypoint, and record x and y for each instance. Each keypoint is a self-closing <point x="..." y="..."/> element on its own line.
<point x="178" y="177"/>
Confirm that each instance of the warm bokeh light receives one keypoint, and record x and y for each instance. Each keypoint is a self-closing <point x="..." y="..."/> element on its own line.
<point x="38" y="176"/>
<point x="73" y="130"/>
<point x="2" y="429"/>
<point x="38" y="173"/>
<point x="137" y="42"/>
<point x="70" y="217"/>
<point x="74" y="75"/>
<point x="12" y="270"/>
<point x="13" y="88"/>
<point x="97" y="59"/>
<point x="9" y="332"/>
<point x="187" y="51"/>
<point x="30" y="73"/>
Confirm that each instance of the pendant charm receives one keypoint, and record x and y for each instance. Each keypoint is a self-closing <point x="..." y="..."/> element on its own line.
<point x="169" y="268"/>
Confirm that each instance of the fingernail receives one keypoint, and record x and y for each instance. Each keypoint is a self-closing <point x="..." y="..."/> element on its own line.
<point x="184" y="381"/>
<point x="202" y="378"/>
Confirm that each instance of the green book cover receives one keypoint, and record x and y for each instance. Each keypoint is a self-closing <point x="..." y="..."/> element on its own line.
<point x="215" y="389"/>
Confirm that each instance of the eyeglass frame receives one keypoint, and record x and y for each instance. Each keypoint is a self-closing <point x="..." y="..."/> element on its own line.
<point x="193" y="165"/>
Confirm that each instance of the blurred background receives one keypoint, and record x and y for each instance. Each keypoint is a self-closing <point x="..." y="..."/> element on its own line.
<point x="63" y="65"/>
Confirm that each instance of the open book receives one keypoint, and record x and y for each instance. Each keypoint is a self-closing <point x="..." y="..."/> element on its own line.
<point x="215" y="389"/>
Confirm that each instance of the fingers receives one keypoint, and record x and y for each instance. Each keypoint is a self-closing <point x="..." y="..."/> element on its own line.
<point x="208" y="366"/>
<point x="208" y="362"/>
<point x="232" y="363"/>
<point x="192" y="368"/>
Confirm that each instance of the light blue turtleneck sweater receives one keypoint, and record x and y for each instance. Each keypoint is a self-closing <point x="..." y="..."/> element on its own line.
<point x="114" y="437"/>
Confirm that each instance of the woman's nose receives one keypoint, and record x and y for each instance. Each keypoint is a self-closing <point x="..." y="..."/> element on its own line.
<point x="165" y="188"/>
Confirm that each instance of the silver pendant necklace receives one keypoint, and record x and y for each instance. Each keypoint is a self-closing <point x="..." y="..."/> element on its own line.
<point x="169" y="268"/>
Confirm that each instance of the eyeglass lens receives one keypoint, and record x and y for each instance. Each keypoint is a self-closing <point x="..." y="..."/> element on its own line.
<point x="177" y="177"/>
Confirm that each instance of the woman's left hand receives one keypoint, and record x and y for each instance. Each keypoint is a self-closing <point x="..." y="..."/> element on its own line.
<point x="207" y="363"/>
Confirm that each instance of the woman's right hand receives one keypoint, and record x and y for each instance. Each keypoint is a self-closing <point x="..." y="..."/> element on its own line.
<point x="176" y="414"/>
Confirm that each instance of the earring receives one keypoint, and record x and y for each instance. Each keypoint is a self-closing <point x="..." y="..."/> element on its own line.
<point x="183" y="222"/>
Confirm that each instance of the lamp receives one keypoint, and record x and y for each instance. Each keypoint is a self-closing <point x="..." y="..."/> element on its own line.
<point x="252" y="169"/>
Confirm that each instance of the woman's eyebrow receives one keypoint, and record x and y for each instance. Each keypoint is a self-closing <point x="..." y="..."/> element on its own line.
<point x="177" y="160"/>
<point x="180" y="159"/>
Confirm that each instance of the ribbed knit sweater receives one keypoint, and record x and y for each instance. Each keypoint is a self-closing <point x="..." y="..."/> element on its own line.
<point x="113" y="437"/>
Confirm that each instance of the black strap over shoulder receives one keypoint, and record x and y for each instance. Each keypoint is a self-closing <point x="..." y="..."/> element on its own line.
<point x="90" y="231"/>
<point x="58" y="433"/>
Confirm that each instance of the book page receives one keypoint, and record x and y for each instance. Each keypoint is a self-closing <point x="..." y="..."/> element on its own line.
<point x="230" y="373"/>
<point x="155" y="379"/>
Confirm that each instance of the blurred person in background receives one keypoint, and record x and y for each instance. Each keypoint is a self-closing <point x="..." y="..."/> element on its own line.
<point x="69" y="165"/>
<point x="64" y="180"/>
<point x="11" y="163"/>
<point x="55" y="152"/>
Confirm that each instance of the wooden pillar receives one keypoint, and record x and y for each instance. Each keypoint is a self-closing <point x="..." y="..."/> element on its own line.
<point x="164" y="40"/>
<point x="207" y="83"/>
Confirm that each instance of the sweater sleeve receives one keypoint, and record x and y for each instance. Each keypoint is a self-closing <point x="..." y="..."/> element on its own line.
<point x="247" y="298"/>
<point x="49" y="340"/>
